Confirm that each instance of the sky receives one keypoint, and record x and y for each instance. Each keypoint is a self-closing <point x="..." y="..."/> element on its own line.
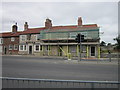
<point x="104" y="14"/>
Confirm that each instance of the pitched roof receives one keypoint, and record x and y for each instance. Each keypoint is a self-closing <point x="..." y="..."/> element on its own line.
<point x="33" y="30"/>
<point x="9" y="34"/>
<point x="73" y="26"/>
<point x="37" y="30"/>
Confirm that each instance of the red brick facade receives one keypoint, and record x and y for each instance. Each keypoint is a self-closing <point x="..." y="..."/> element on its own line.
<point x="10" y="47"/>
<point x="10" y="41"/>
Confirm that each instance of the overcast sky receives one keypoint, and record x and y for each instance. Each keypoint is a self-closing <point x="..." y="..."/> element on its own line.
<point x="105" y="14"/>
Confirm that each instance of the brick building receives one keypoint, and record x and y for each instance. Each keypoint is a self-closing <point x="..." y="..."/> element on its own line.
<point x="60" y="40"/>
<point x="52" y="40"/>
<point x="9" y="41"/>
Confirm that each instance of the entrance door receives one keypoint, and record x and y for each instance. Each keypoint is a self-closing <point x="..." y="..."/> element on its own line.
<point x="30" y="49"/>
<point x="5" y="50"/>
<point x="92" y="51"/>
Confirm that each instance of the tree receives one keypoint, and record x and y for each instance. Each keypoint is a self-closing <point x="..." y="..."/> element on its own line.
<point x="109" y="44"/>
<point x="118" y="43"/>
<point x="102" y="43"/>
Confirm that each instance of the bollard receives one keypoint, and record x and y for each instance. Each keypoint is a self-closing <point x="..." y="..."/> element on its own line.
<point x="69" y="56"/>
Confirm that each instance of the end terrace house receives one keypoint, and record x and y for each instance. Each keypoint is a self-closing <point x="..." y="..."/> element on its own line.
<point x="9" y="41"/>
<point x="60" y="40"/>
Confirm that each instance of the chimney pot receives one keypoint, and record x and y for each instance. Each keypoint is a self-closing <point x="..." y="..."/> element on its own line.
<point x="48" y="23"/>
<point x="14" y="28"/>
<point x="79" y="21"/>
<point x="25" y="26"/>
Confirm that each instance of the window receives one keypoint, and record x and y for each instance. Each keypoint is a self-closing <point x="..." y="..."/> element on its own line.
<point x="1" y="40"/>
<point x="12" y="39"/>
<point x="15" y="47"/>
<point x="41" y="48"/>
<point x="21" y="47"/>
<point x="37" y="47"/>
<point x="48" y="48"/>
<point x="29" y="37"/>
<point x="10" y="47"/>
<point x="37" y="36"/>
<point x="25" y="47"/>
<point x="23" y="37"/>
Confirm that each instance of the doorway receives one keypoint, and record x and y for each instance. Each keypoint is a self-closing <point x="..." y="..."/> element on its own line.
<point x="92" y="50"/>
<point x="5" y="50"/>
<point x="30" y="49"/>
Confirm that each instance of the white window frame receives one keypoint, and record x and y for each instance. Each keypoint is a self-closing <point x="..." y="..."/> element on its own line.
<point x="20" y="47"/>
<point x="15" y="47"/>
<point x="1" y="40"/>
<point x="12" y="39"/>
<point x="24" y="48"/>
<point x="10" y="47"/>
<point x="41" y="47"/>
<point x="35" y="48"/>
<point x="23" y="38"/>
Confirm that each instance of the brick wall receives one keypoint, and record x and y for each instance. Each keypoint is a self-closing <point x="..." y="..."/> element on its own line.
<point x="7" y="41"/>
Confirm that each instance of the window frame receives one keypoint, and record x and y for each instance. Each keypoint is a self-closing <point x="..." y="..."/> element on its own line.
<point x="20" y="47"/>
<point x="22" y="37"/>
<point x="10" y="47"/>
<point x="41" y="48"/>
<point x="1" y="40"/>
<point x="24" y="48"/>
<point x="15" y="47"/>
<point x="36" y="48"/>
<point x="37" y="37"/>
<point x="12" y="39"/>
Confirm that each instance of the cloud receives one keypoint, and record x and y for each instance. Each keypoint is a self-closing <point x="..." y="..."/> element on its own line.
<point x="62" y="13"/>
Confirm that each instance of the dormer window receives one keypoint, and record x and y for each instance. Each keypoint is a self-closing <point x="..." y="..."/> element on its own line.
<point x="12" y="39"/>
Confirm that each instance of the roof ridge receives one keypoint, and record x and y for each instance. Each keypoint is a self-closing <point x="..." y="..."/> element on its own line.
<point x="90" y="24"/>
<point x="36" y="28"/>
<point x="9" y="32"/>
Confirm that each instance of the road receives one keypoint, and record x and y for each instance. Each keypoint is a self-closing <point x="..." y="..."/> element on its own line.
<point x="42" y="68"/>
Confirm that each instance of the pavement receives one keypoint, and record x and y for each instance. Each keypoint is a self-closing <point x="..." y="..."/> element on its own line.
<point x="74" y="60"/>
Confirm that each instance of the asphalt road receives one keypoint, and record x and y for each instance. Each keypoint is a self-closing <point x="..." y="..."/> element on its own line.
<point x="35" y="67"/>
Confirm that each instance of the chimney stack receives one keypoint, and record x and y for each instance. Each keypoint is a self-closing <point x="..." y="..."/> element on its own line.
<point x="25" y="26"/>
<point x="14" y="28"/>
<point x="79" y="21"/>
<point x="48" y="23"/>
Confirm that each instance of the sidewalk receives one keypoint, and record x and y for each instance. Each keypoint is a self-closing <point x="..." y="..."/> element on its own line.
<point x="73" y="60"/>
<point x="63" y="57"/>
